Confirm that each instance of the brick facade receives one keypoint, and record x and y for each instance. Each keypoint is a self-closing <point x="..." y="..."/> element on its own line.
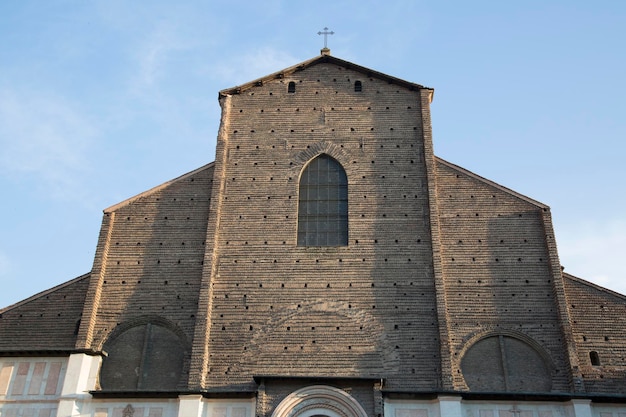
<point x="438" y="259"/>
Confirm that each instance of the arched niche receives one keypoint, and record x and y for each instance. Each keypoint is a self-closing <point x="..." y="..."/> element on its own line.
<point x="505" y="363"/>
<point x="145" y="357"/>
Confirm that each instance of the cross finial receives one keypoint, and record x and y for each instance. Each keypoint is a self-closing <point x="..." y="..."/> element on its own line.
<point x="326" y="33"/>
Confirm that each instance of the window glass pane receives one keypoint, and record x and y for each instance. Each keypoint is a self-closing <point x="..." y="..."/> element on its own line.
<point x="323" y="204"/>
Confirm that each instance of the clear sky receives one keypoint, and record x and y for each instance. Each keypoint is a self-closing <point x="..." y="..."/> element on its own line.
<point x="101" y="100"/>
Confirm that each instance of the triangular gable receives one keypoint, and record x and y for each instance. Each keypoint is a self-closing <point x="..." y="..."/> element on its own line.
<point x="45" y="293"/>
<point x="154" y="189"/>
<point x="596" y="287"/>
<point x="324" y="59"/>
<point x="491" y="183"/>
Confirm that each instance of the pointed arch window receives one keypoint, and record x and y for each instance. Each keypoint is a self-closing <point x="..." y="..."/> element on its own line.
<point x="323" y="204"/>
<point x="358" y="86"/>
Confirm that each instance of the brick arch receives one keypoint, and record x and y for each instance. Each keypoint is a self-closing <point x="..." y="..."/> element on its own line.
<point x="318" y="400"/>
<point x="104" y="336"/>
<point x="323" y="147"/>
<point x="269" y="340"/>
<point x="476" y="337"/>
<point x="505" y="361"/>
<point x="146" y="353"/>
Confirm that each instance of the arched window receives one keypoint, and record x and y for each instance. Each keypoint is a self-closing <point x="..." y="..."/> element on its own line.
<point x="143" y="357"/>
<point x="358" y="87"/>
<point x="323" y="204"/>
<point x="291" y="88"/>
<point x="595" y="358"/>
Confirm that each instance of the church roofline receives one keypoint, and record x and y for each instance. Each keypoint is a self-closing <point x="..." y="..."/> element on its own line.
<point x="48" y="352"/>
<point x="153" y="189"/>
<point x="44" y="293"/>
<point x="592" y="285"/>
<point x="324" y="59"/>
<point x="493" y="184"/>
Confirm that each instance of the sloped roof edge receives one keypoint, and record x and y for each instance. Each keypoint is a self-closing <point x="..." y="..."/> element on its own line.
<point x="45" y="292"/>
<point x="492" y="183"/>
<point x="322" y="59"/>
<point x="592" y="285"/>
<point x="153" y="189"/>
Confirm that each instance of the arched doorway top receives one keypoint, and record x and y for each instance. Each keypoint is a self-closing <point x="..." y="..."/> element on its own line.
<point x="319" y="400"/>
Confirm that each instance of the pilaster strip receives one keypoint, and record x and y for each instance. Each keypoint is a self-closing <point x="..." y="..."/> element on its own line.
<point x="200" y="345"/>
<point x="94" y="292"/>
<point x="435" y="232"/>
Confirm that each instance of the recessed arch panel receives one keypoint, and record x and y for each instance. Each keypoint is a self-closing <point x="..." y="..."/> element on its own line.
<point x="143" y="357"/>
<point x="503" y="363"/>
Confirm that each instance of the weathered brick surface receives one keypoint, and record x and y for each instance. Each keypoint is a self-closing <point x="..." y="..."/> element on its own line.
<point x="497" y="268"/>
<point x="46" y="321"/>
<point x="598" y="322"/>
<point x="149" y="261"/>
<point x="363" y="310"/>
<point x="437" y="259"/>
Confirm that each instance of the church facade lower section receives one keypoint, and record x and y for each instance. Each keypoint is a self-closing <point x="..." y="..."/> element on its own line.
<point x="326" y="263"/>
<point x="67" y="386"/>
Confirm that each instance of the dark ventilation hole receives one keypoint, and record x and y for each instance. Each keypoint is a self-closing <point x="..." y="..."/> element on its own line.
<point x="358" y="86"/>
<point x="595" y="359"/>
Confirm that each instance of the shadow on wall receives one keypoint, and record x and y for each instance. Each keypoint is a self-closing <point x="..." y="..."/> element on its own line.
<point x="517" y="345"/>
<point x="146" y="316"/>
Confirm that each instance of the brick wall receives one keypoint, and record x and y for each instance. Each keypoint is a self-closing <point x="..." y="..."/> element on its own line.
<point x="598" y="322"/>
<point x="47" y="321"/>
<point x="366" y="309"/>
<point x="497" y="268"/>
<point x="148" y="262"/>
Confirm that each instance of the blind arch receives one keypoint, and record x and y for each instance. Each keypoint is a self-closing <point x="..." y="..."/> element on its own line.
<point x="143" y="357"/>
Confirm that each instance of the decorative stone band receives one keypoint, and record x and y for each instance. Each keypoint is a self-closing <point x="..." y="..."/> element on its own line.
<point x="319" y="400"/>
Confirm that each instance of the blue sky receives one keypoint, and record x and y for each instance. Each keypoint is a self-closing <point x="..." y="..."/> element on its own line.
<point x="101" y="100"/>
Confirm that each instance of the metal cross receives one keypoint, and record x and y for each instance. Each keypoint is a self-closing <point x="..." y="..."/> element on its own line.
<point x="325" y="33"/>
